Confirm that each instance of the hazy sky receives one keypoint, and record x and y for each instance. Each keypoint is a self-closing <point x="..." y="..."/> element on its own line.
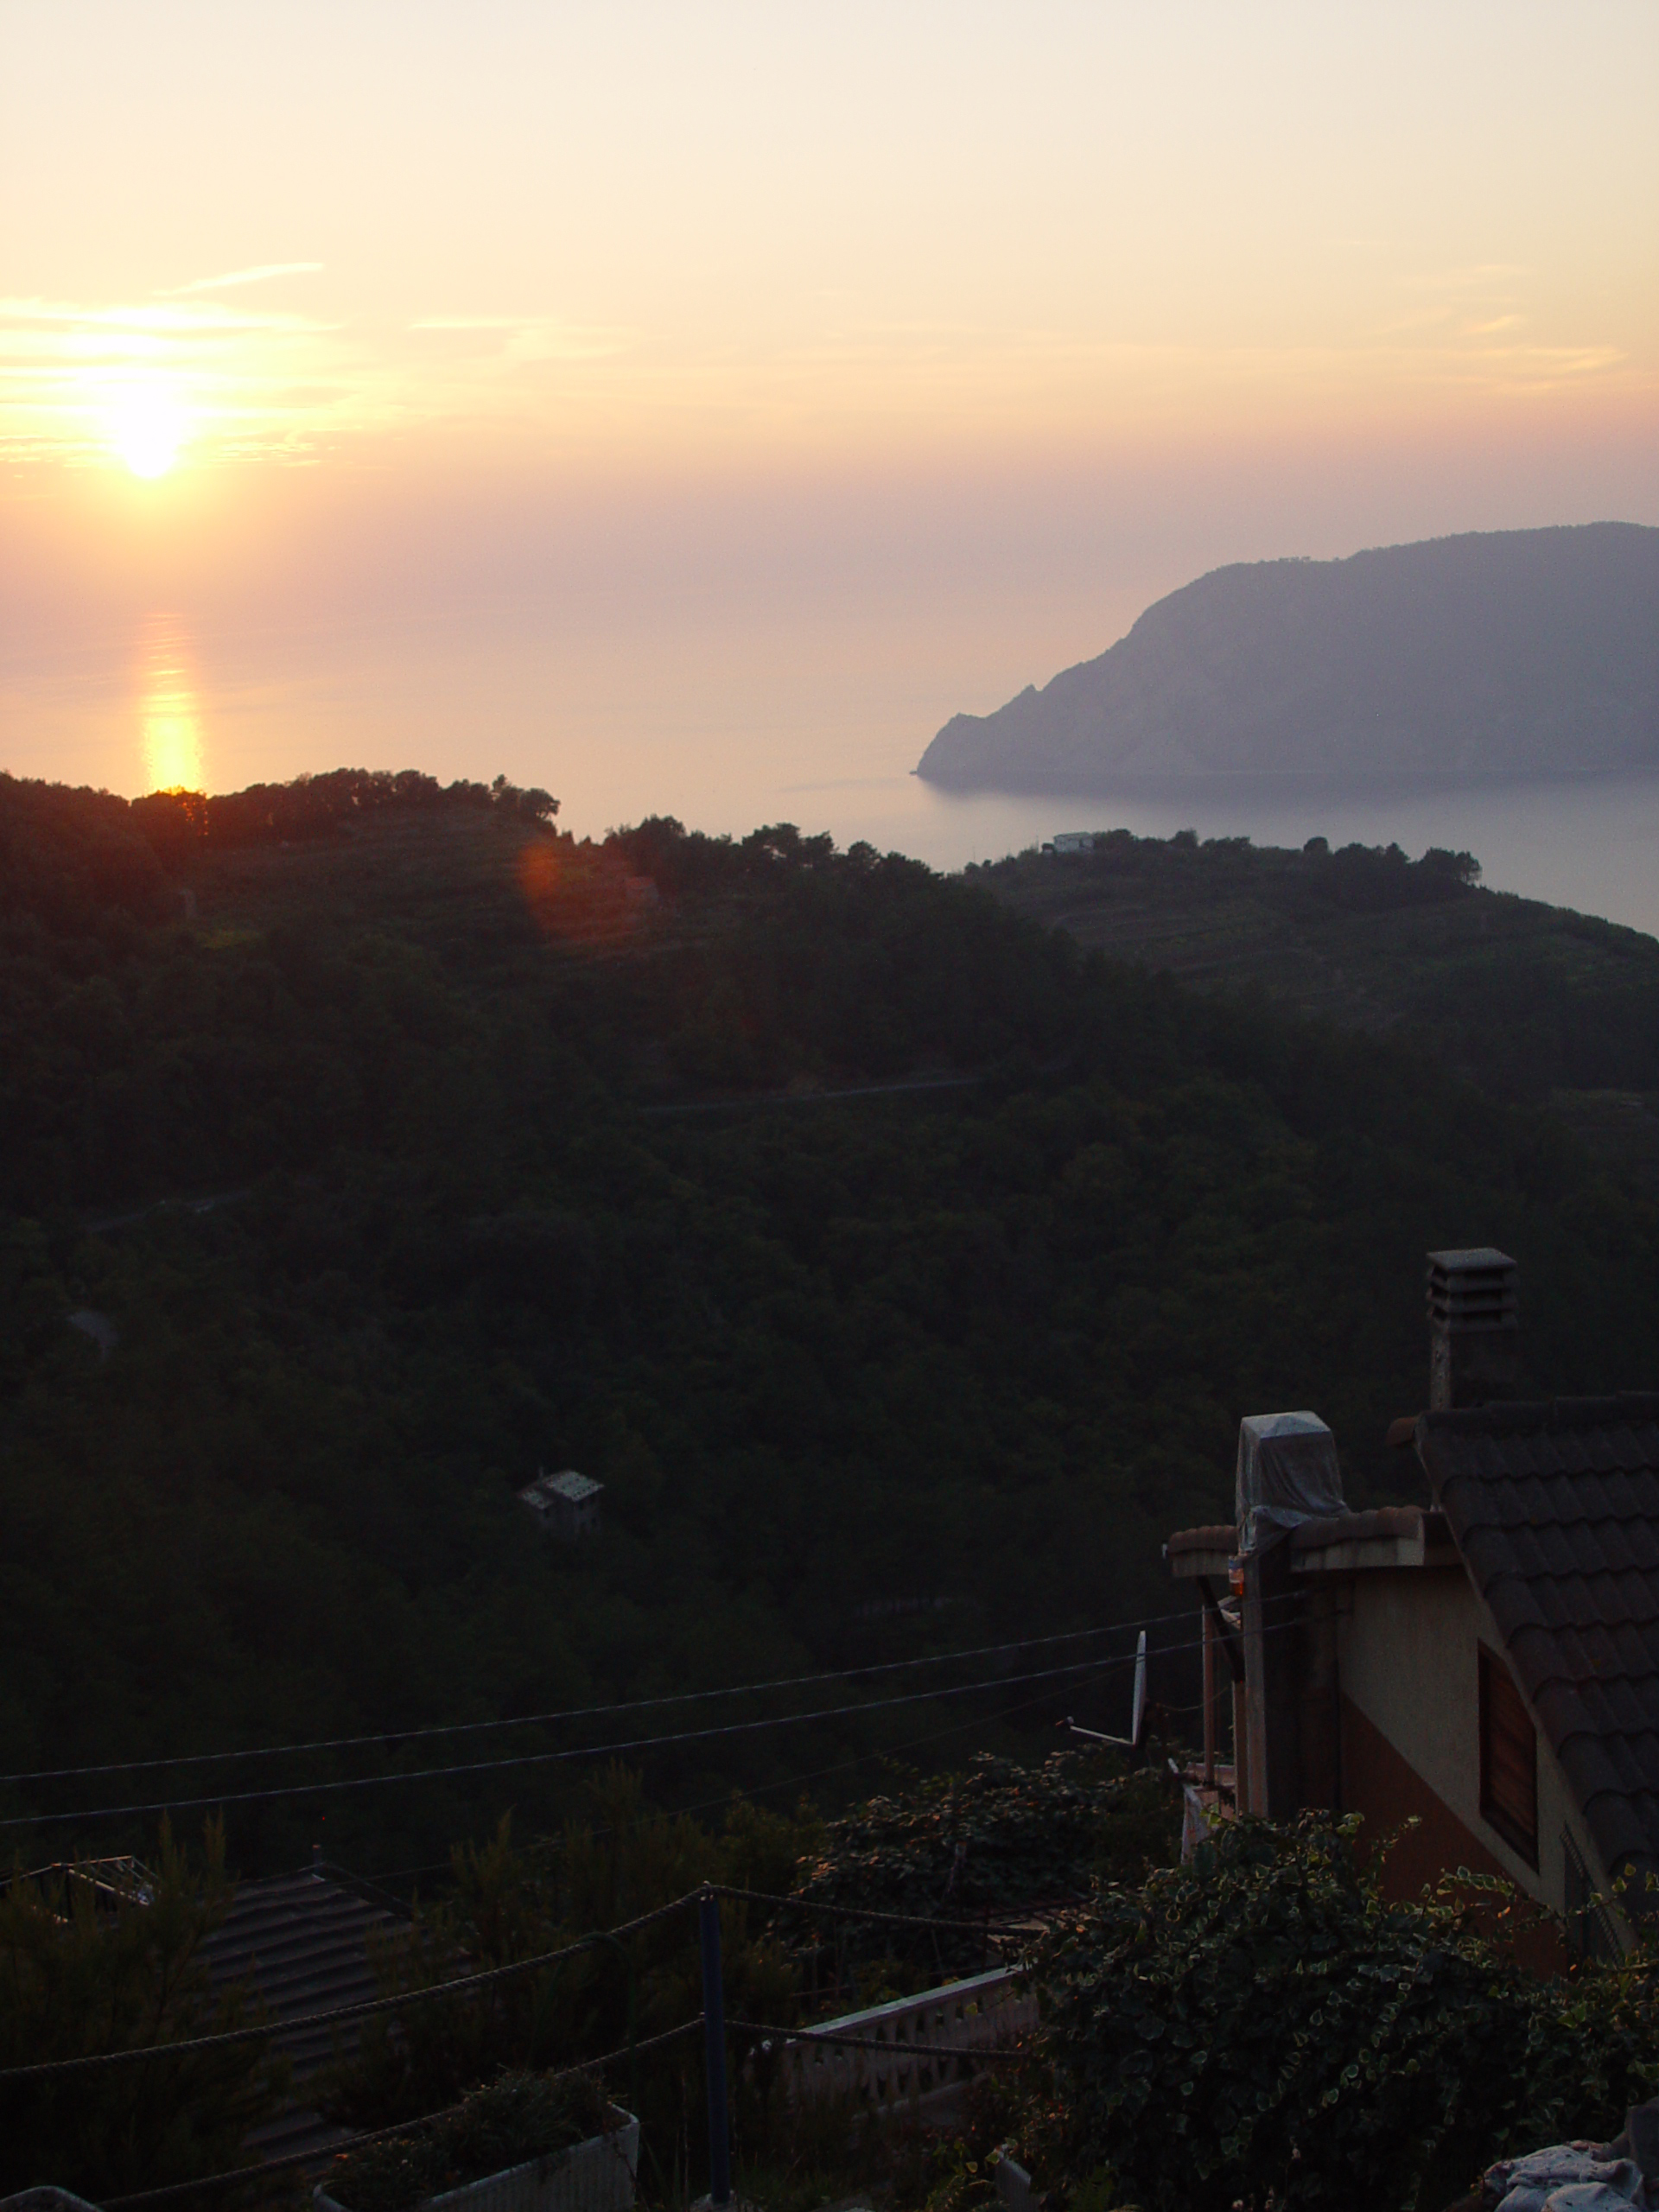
<point x="971" y="325"/>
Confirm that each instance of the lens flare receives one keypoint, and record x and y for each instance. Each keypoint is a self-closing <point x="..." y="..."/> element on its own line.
<point x="584" y="894"/>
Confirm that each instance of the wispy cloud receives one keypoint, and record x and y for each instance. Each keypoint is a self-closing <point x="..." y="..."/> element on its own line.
<point x="261" y="275"/>
<point x="66" y="366"/>
<point x="250" y="378"/>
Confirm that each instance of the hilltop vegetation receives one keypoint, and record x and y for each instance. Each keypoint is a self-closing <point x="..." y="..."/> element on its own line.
<point x="1526" y="1000"/>
<point x="527" y="1152"/>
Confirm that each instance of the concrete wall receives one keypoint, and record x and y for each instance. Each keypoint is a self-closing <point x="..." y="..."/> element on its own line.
<point x="1408" y="1644"/>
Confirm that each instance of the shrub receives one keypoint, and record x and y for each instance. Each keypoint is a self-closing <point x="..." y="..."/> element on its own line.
<point x="93" y="1961"/>
<point x="519" y="2118"/>
<point x="1262" y="2022"/>
<point x="994" y="1839"/>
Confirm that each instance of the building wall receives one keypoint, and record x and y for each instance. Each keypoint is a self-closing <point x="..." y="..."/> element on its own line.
<point x="1383" y="1786"/>
<point x="1407" y="1646"/>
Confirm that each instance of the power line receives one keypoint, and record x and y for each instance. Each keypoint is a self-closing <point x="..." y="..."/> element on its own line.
<point x="796" y="1780"/>
<point x="544" y="1758"/>
<point x="579" y="1712"/>
<point x="462" y="1983"/>
<point x="496" y="1974"/>
<point x="360" y="2010"/>
<point x="933" y="1736"/>
<point x="594" y="1751"/>
<point x="293" y="2159"/>
<point x="856" y="1912"/>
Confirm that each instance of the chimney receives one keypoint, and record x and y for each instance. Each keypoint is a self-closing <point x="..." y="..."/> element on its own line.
<point x="1288" y="1475"/>
<point x="1474" y="1328"/>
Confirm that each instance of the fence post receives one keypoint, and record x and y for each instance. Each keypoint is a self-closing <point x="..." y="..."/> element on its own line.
<point x="714" y="2044"/>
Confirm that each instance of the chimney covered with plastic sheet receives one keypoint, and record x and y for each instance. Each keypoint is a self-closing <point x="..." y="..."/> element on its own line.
<point x="1288" y="1475"/>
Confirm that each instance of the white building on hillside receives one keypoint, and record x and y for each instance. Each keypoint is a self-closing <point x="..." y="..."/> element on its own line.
<point x="567" y="1504"/>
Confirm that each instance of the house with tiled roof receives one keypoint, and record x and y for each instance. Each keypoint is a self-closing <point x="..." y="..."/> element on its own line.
<point x="303" y="1945"/>
<point x="1486" y="1666"/>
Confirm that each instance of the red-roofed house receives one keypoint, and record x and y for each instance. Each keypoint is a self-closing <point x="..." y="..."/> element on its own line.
<point x="1489" y="1663"/>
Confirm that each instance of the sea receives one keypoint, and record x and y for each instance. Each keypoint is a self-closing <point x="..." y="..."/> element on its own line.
<point x="809" y="724"/>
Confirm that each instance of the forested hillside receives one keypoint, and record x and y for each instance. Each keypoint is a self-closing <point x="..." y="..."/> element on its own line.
<point x="1526" y="999"/>
<point x="526" y="1153"/>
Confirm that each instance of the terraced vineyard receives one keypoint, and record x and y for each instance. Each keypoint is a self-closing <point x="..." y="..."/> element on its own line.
<point x="1529" y="1000"/>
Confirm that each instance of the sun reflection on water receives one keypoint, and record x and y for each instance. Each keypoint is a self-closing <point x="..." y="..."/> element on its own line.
<point x="170" y="716"/>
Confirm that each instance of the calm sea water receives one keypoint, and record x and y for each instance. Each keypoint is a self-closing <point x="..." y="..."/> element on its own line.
<point x="818" y="725"/>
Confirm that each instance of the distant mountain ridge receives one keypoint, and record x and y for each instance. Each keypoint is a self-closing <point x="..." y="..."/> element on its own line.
<point x="1524" y="652"/>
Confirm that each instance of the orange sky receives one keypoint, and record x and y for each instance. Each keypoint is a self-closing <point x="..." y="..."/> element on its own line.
<point x="993" y="321"/>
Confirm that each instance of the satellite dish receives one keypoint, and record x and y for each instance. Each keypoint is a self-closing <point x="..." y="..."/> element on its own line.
<point x="1131" y="1741"/>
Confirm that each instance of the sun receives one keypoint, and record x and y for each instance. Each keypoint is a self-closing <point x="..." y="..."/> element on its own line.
<point x="147" y="429"/>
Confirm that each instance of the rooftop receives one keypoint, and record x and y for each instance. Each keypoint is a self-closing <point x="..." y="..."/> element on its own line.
<point x="1389" y="1535"/>
<point x="303" y="1940"/>
<point x="1554" y="1507"/>
<point x="569" y="1485"/>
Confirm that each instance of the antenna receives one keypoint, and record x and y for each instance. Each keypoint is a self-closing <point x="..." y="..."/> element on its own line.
<point x="1137" y="1711"/>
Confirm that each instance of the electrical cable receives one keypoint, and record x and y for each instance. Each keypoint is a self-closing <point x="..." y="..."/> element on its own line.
<point x="581" y="1713"/>
<point x="886" y="1751"/>
<point x="854" y="1912"/>
<point x="588" y="1751"/>
<point x="293" y="2159"/>
<point x="498" y="1973"/>
<point x="545" y="1758"/>
<point x="267" y="2030"/>
<point x="791" y="1781"/>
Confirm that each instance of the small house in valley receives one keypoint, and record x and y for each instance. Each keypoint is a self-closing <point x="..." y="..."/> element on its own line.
<point x="566" y="1504"/>
<point x="1486" y="1665"/>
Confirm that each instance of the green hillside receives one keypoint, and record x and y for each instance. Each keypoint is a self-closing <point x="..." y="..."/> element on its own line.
<point x="529" y="1153"/>
<point x="1529" y="1000"/>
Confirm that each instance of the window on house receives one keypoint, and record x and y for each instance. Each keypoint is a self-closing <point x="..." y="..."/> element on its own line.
<point x="1508" y="1759"/>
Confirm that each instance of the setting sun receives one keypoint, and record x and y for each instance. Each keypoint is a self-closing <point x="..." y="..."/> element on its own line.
<point x="147" y="429"/>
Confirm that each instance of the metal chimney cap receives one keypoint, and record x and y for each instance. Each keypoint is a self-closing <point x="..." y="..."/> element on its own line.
<point x="1470" y="1292"/>
<point x="1479" y="1258"/>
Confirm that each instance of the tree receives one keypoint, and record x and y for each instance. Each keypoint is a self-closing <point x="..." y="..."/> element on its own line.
<point x="107" y="1957"/>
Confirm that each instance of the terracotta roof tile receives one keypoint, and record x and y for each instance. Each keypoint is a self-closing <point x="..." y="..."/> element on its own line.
<point x="1626" y="1709"/>
<point x="1635" y="1595"/>
<point x="302" y="1941"/>
<point x="1383" y="1521"/>
<point x="1218" y="1537"/>
<point x="1618" y="1552"/>
<point x="1555" y="1511"/>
